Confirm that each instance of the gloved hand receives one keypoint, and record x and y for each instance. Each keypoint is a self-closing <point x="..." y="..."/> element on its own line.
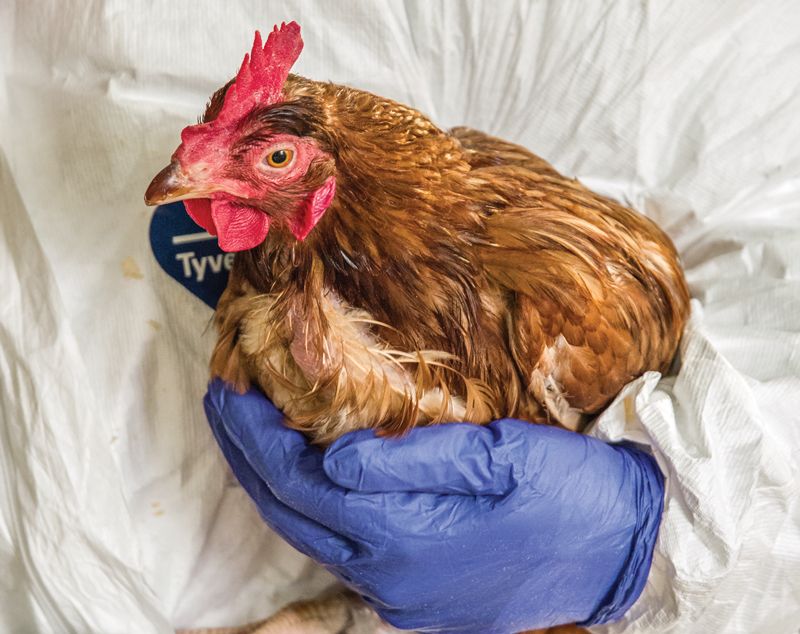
<point x="455" y="527"/>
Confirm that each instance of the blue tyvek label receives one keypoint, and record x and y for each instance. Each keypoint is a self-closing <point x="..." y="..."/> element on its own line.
<point x="188" y="253"/>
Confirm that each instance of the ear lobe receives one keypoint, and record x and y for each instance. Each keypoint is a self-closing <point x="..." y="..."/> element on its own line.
<point x="313" y="209"/>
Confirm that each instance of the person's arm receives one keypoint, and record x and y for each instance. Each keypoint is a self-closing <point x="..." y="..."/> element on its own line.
<point x="456" y="527"/>
<point x="727" y="558"/>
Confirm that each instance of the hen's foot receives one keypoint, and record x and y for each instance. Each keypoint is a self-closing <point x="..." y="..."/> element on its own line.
<point x="340" y="613"/>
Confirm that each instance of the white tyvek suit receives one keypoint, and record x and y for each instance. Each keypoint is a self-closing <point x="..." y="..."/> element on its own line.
<point x="117" y="513"/>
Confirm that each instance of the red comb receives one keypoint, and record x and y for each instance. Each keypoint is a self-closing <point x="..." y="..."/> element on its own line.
<point x="263" y="72"/>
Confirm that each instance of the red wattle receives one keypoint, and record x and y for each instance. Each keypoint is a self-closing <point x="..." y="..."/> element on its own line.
<point x="238" y="227"/>
<point x="199" y="209"/>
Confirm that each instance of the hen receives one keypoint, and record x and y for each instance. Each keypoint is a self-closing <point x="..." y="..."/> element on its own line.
<point x="393" y="274"/>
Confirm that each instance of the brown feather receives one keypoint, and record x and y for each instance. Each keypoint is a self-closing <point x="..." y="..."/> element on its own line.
<point x="455" y="275"/>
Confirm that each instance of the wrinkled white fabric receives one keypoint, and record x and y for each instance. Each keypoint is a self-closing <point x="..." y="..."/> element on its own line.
<point x="117" y="513"/>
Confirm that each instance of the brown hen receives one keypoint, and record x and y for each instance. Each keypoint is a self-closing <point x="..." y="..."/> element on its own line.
<point x="453" y="276"/>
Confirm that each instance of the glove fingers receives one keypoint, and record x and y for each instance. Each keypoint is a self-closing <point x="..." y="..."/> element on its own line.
<point x="448" y="459"/>
<point x="288" y="465"/>
<point x="307" y="536"/>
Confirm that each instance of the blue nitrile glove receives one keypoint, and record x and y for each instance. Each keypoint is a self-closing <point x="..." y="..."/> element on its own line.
<point x="455" y="528"/>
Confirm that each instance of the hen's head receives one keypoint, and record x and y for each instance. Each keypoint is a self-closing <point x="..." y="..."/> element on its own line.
<point x="253" y="160"/>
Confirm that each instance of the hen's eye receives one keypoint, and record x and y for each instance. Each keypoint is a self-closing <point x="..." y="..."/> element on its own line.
<point x="280" y="158"/>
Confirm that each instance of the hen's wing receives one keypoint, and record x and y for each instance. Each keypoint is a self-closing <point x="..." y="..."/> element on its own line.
<point x="595" y="293"/>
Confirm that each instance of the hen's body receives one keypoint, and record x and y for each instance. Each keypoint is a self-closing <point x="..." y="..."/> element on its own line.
<point x="454" y="277"/>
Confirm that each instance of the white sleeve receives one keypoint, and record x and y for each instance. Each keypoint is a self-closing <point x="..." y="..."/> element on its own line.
<point x="727" y="557"/>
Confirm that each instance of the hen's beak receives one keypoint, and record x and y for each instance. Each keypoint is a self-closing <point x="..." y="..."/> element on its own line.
<point x="172" y="184"/>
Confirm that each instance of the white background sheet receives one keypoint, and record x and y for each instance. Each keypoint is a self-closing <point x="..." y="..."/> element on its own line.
<point x="117" y="513"/>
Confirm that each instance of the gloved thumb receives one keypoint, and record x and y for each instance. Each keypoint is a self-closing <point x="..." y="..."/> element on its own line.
<point x="455" y="458"/>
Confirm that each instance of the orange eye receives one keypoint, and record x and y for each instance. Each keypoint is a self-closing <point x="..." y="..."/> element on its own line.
<point x="280" y="158"/>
